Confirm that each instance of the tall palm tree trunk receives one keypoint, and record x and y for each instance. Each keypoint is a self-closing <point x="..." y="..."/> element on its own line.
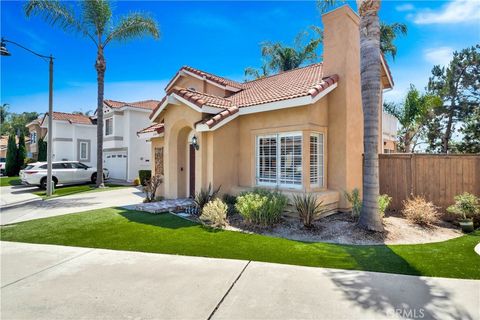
<point x="371" y="90"/>
<point x="100" y="66"/>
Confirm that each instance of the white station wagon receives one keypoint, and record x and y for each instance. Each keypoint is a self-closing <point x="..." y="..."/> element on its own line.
<point x="63" y="172"/>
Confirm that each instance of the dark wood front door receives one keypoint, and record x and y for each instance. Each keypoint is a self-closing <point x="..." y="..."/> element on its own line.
<point x="191" y="171"/>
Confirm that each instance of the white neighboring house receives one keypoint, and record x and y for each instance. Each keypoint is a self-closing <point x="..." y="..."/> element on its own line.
<point x="74" y="137"/>
<point x="389" y="133"/>
<point x="123" y="153"/>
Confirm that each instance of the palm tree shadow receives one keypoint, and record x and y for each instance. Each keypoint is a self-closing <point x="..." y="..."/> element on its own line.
<point x="163" y="220"/>
<point x="396" y="295"/>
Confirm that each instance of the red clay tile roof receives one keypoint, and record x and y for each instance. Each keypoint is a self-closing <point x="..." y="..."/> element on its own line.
<point x="72" y="118"/>
<point x="145" y="104"/>
<point x="200" y="98"/>
<point x="219" y="117"/>
<point x="156" y="127"/>
<point x="300" y="82"/>
<point x="209" y="76"/>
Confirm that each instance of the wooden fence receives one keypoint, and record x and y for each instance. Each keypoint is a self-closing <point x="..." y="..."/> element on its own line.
<point x="438" y="177"/>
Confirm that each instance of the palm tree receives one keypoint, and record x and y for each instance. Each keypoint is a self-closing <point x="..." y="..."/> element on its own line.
<point x="93" y="19"/>
<point x="412" y="114"/>
<point x="279" y="58"/>
<point x="370" y="75"/>
<point x="388" y="34"/>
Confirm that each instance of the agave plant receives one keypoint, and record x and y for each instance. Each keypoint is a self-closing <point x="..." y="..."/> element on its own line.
<point x="204" y="196"/>
<point x="308" y="208"/>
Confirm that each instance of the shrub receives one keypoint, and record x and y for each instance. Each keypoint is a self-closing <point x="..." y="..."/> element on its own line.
<point x="383" y="203"/>
<point x="308" y="208"/>
<point x="214" y="213"/>
<point x="230" y="201"/>
<point x="420" y="211"/>
<point x="466" y="206"/>
<point x="261" y="207"/>
<point x="354" y="199"/>
<point x="29" y="160"/>
<point x="151" y="188"/>
<point x="144" y="176"/>
<point x="136" y="182"/>
<point x="10" y="165"/>
<point x="21" y="153"/>
<point x="42" y="150"/>
<point x="205" y="196"/>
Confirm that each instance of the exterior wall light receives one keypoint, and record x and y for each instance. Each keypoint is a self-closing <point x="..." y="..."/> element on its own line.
<point x="195" y="142"/>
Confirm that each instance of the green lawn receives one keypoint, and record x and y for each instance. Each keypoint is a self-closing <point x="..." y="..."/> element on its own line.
<point x="9" y="181"/>
<point x="121" y="229"/>
<point x="69" y="190"/>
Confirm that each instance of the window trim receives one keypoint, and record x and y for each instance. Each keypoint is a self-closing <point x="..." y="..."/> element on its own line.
<point x="278" y="168"/>
<point x="106" y="126"/>
<point x="85" y="143"/>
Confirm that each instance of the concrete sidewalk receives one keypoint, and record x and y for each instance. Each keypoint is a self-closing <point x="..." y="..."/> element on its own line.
<point x="56" y="282"/>
<point x="70" y="204"/>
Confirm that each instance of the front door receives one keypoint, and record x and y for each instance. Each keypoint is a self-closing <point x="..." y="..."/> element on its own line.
<point x="191" y="171"/>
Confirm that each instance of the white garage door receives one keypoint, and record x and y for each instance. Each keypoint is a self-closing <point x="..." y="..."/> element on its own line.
<point x="116" y="163"/>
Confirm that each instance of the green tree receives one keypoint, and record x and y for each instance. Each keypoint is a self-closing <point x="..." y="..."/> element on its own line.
<point x="93" y="19"/>
<point x="371" y="87"/>
<point x="21" y="153"/>
<point x="278" y="57"/>
<point x="470" y="132"/>
<point x="11" y="165"/>
<point x="15" y="123"/>
<point x="388" y="34"/>
<point x="458" y="85"/>
<point x="42" y="150"/>
<point x="412" y="114"/>
<point x="3" y="113"/>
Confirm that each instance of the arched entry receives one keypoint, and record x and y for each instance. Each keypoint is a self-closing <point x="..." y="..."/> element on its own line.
<point x="186" y="163"/>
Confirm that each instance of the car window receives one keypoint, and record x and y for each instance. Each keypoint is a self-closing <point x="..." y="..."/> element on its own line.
<point x="28" y="167"/>
<point x="3" y="159"/>
<point x="43" y="167"/>
<point x="79" y="165"/>
<point x="59" y="166"/>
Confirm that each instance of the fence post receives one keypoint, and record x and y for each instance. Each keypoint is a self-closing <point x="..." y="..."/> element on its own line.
<point x="412" y="174"/>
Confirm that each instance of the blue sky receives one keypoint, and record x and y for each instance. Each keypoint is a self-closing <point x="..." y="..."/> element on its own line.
<point x="221" y="37"/>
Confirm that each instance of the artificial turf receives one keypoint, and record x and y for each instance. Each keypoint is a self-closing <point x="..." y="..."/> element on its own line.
<point x="9" y="181"/>
<point x="69" y="190"/>
<point x="120" y="229"/>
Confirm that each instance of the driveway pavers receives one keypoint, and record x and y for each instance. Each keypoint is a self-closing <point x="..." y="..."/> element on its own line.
<point x="81" y="283"/>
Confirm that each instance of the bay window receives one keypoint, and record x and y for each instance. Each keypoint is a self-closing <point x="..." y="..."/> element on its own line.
<point x="279" y="160"/>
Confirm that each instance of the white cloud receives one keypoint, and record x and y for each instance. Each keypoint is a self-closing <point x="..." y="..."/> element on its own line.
<point x="440" y="55"/>
<point x="456" y="11"/>
<point x="405" y="7"/>
<point x="83" y="96"/>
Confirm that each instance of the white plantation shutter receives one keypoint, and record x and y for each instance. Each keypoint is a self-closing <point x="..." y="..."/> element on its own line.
<point x="316" y="160"/>
<point x="279" y="160"/>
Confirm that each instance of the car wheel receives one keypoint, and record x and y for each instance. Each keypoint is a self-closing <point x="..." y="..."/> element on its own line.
<point x="43" y="183"/>
<point x="94" y="178"/>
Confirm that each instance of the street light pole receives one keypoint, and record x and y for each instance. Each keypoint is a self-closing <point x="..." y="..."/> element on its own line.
<point x="50" y="128"/>
<point x="5" y="52"/>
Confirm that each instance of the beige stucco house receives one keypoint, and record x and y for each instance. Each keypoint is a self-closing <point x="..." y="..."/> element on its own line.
<point x="300" y="130"/>
<point x="36" y="133"/>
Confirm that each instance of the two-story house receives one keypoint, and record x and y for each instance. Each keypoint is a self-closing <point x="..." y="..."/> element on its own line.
<point x="389" y="133"/>
<point x="36" y="133"/>
<point x="123" y="153"/>
<point x="74" y="137"/>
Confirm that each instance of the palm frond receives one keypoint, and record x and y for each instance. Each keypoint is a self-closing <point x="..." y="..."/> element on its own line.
<point x="324" y="5"/>
<point x="97" y="13"/>
<point x="132" y="26"/>
<point x="55" y="13"/>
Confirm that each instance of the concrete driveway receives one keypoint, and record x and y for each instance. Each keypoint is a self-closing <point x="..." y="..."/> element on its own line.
<point x="69" y="204"/>
<point x="56" y="282"/>
<point x="16" y="195"/>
